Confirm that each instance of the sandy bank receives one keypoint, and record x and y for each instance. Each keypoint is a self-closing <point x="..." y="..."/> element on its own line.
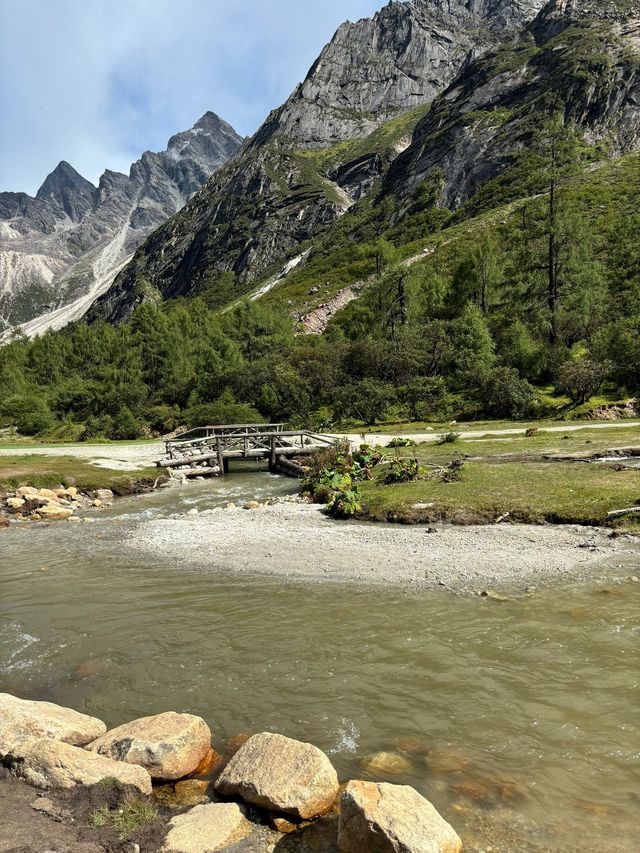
<point x="297" y="541"/>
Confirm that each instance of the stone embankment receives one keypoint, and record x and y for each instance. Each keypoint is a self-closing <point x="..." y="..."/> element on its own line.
<point x="270" y="785"/>
<point x="61" y="504"/>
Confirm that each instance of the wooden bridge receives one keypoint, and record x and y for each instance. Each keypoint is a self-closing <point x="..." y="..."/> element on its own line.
<point x="208" y="450"/>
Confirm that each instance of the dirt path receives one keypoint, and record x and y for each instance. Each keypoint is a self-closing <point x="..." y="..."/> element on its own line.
<point x="381" y="439"/>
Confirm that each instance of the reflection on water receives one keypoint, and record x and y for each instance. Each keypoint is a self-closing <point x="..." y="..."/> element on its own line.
<point x="519" y="720"/>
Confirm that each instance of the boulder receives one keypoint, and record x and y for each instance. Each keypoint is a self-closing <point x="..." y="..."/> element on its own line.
<point x="103" y="494"/>
<point x="15" y="503"/>
<point x="54" y="513"/>
<point x="387" y="764"/>
<point x="281" y="775"/>
<point x="48" y="493"/>
<point x="205" y="829"/>
<point x="252" y="505"/>
<point x="383" y="818"/>
<point x="169" y="746"/>
<point x="25" y="491"/>
<point x="53" y="764"/>
<point x="22" y="719"/>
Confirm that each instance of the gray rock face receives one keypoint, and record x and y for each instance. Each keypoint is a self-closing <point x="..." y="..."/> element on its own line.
<point x="475" y="127"/>
<point x="59" y="250"/>
<point x="256" y="211"/>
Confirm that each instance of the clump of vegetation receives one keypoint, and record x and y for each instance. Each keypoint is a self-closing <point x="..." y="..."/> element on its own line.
<point x="449" y="438"/>
<point x="402" y="442"/>
<point x="346" y="502"/>
<point x="451" y="473"/>
<point x="403" y="471"/>
<point x="125" y="819"/>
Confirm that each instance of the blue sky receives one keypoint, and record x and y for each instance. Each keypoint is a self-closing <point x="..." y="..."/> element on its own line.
<point x="96" y="82"/>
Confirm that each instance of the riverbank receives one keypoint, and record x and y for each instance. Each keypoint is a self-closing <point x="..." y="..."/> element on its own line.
<point x="275" y="541"/>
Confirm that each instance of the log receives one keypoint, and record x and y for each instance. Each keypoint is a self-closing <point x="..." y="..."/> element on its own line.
<point x="616" y="513"/>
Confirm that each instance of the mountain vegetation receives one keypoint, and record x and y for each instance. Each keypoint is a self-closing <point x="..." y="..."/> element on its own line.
<point x="473" y="255"/>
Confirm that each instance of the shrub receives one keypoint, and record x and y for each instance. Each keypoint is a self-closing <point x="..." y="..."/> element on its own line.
<point x="506" y="395"/>
<point x="581" y="379"/>
<point x="402" y="442"/>
<point x="449" y="438"/>
<point x="29" y="414"/>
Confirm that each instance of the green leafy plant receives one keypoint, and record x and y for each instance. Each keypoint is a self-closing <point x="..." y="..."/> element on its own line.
<point x="449" y="438"/>
<point x="402" y="442"/>
<point x="345" y="503"/>
<point x="403" y="471"/>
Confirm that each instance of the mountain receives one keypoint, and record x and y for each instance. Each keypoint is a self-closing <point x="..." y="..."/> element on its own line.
<point x="299" y="174"/>
<point x="579" y="56"/>
<point x="61" y="249"/>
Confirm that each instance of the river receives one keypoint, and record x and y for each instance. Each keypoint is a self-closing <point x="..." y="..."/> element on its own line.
<point x="518" y="719"/>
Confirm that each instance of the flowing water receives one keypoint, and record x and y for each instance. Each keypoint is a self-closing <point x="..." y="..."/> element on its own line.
<point x="518" y="719"/>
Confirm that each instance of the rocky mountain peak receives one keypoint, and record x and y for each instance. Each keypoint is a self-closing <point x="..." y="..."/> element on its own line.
<point x="67" y="189"/>
<point x="378" y="67"/>
<point x="63" y="248"/>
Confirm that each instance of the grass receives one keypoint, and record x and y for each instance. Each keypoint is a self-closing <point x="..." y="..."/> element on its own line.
<point x="45" y="472"/>
<point x="125" y="819"/>
<point x="509" y="475"/>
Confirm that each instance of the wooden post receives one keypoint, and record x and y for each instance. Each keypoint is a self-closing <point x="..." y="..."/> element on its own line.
<point x="273" y="459"/>
<point x="221" y="461"/>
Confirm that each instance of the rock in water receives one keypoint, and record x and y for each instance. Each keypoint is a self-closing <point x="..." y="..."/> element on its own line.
<point x="281" y="774"/>
<point x="169" y="746"/>
<point x="22" y="719"/>
<point x="384" y="818"/>
<point x="53" y="764"/>
<point x="206" y="829"/>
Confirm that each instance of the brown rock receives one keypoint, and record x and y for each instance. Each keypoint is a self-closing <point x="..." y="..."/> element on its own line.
<point x="48" y="493"/>
<point x="208" y="763"/>
<point x="444" y="760"/>
<point x="53" y="764"/>
<point x="168" y="746"/>
<point x="411" y="745"/>
<point x="54" y="513"/>
<point x="383" y="818"/>
<point x="233" y="744"/>
<point x="191" y="792"/>
<point x="22" y="719"/>
<point x="386" y="764"/>
<point x="281" y="774"/>
<point x="206" y="829"/>
<point x="282" y="824"/>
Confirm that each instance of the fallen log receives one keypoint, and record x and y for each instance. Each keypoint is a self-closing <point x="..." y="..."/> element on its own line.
<point x="616" y="513"/>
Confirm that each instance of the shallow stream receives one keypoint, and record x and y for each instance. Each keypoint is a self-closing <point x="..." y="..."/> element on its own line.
<point x="519" y="719"/>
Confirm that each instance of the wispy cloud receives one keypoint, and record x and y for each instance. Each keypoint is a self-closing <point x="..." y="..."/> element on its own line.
<point x="96" y="83"/>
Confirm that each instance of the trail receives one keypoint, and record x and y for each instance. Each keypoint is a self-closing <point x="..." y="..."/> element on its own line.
<point x="379" y="439"/>
<point x="138" y="455"/>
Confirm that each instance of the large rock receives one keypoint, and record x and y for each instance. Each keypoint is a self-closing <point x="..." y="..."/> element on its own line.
<point x="281" y="774"/>
<point x="384" y="818"/>
<point x="53" y="764"/>
<point x="53" y="512"/>
<point x="169" y="746"/>
<point x="206" y="829"/>
<point x="22" y="719"/>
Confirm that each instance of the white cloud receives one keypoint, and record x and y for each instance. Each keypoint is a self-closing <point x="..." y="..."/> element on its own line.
<point x="95" y="83"/>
